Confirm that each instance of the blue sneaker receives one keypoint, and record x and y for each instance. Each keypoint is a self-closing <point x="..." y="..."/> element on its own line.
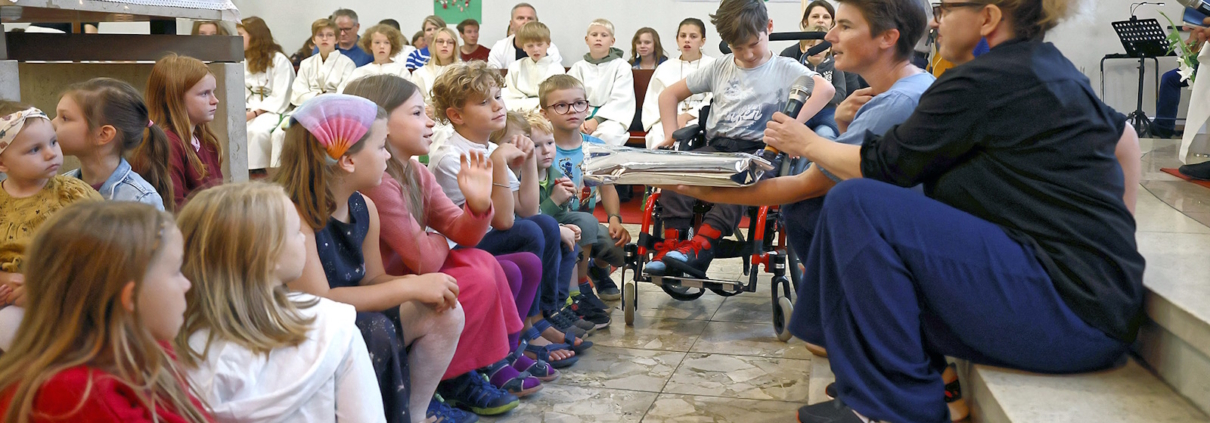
<point x="443" y="413"/>
<point x="473" y="392"/>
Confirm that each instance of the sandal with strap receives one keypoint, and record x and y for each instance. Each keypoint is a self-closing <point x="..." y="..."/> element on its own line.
<point x="569" y="337"/>
<point x="502" y="375"/>
<point x="536" y="368"/>
<point x="543" y="352"/>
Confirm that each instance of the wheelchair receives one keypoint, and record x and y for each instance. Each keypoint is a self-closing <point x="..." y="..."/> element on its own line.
<point x="763" y="244"/>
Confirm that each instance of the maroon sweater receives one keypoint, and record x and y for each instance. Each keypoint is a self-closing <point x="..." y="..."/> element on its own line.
<point x="185" y="178"/>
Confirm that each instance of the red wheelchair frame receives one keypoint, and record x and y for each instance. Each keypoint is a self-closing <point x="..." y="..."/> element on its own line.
<point x="759" y="249"/>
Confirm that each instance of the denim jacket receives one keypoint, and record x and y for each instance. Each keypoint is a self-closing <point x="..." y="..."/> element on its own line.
<point x="124" y="184"/>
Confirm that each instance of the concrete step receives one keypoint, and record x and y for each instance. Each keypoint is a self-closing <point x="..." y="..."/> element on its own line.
<point x="1128" y="394"/>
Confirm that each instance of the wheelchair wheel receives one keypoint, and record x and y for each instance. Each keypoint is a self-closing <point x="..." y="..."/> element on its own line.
<point x="629" y="296"/>
<point x="681" y="293"/>
<point x="781" y="318"/>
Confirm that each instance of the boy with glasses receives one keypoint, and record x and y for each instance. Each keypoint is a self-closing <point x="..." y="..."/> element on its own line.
<point x="564" y="103"/>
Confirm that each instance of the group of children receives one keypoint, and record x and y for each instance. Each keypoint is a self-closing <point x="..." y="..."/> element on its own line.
<point x="360" y="284"/>
<point x="406" y="292"/>
<point x="273" y="88"/>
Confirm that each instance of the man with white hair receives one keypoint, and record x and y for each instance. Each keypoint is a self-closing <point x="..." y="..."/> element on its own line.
<point x="506" y="51"/>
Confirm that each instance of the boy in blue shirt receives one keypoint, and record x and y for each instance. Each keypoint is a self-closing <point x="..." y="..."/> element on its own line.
<point x="563" y="102"/>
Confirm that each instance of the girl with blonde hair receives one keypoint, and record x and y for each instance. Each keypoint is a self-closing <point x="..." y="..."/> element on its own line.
<point x="444" y="46"/>
<point x="253" y="350"/>
<point x="106" y="298"/>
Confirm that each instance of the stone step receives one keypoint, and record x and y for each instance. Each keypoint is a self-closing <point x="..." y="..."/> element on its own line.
<point x="1175" y="340"/>
<point x="1128" y="394"/>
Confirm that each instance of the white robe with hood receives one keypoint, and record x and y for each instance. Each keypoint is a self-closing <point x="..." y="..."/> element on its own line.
<point x="504" y="53"/>
<point x="371" y="69"/>
<point x="610" y="90"/>
<point x="524" y="76"/>
<point x="315" y="76"/>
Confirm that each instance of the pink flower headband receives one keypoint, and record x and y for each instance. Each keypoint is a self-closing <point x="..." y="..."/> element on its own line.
<point x="11" y="124"/>
<point x="338" y="121"/>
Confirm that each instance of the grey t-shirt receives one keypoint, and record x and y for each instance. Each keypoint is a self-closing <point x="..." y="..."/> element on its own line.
<point x="745" y="99"/>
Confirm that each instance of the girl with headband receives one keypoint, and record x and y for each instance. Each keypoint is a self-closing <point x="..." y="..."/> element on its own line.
<point x="336" y="147"/>
<point x="30" y="157"/>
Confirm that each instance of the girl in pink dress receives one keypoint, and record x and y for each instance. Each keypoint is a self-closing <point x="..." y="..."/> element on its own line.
<point x="492" y="290"/>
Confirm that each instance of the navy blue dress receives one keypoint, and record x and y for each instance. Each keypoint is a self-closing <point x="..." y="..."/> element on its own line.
<point x="339" y="245"/>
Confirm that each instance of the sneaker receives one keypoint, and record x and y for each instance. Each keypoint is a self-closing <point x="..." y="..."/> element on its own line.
<point x="473" y="392"/>
<point x="441" y="412"/>
<point x="606" y="288"/>
<point x="591" y="300"/>
<point x="693" y="257"/>
<point x="656" y="266"/>
<point x="590" y="313"/>
<point x="832" y="411"/>
<point x="570" y="321"/>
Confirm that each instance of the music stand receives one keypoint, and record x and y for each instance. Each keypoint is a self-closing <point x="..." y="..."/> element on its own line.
<point x="1144" y="39"/>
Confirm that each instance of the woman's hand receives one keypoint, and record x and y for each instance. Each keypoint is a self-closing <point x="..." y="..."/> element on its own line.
<point x="563" y="190"/>
<point x="589" y="126"/>
<point x="788" y="135"/>
<point x="847" y="110"/>
<point x="1201" y="33"/>
<point x="475" y="181"/>
<point x="569" y="237"/>
<point x="436" y="289"/>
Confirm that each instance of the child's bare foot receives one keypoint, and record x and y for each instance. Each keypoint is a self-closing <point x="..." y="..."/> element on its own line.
<point x="555" y="355"/>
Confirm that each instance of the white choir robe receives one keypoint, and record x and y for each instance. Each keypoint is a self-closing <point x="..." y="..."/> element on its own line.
<point x="315" y="76"/>
<point x="610" y="90"/>
<point x="268" y="91"/>
<point x="667" y="74"/>
<point x="504" y="53"/>
<point x="370" y="69"/>
<point x="425" y="76"/>
<point x="521" y="84"/>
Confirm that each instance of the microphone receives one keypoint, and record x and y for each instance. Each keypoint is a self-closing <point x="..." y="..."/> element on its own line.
<point x="800" y="91"/>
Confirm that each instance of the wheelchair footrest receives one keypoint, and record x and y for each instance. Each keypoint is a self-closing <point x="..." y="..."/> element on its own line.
<point x="687" y="282"/>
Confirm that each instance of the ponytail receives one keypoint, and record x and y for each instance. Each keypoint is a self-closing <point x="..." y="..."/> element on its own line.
<point x="306" y="175"/>
<point x="152" y="158"/>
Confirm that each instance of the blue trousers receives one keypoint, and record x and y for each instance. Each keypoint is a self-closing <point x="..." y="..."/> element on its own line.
<point x="1168" y="100"/>
<point x="539" y="235"/>
<point x="896" y="281"/>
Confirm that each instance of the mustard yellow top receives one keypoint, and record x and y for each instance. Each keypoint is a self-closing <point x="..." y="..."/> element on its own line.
<point x="20" y="217"/>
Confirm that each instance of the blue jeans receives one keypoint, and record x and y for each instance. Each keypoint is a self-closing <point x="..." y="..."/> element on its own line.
<point x="539" y="235"/>
<point x="896" y="281"/>
<point x="826" y="118"/>
<point x="1168" y="100"/>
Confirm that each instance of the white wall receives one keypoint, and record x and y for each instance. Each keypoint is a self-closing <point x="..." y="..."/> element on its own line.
<point x="568" y="19"/>
<point x="1085" y="38"/>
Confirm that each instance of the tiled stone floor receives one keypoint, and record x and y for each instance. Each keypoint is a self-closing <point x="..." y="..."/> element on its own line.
<point x="716" y="359"/>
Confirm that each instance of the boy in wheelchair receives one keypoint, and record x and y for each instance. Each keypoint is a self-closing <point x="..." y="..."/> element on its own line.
<point x="749" y="86"/>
